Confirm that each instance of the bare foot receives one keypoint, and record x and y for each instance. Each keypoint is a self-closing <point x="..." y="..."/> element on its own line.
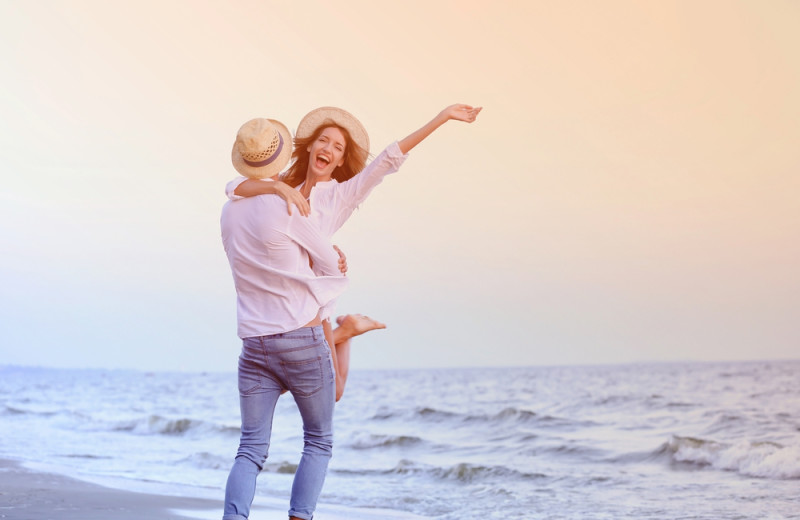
<point x="357" y="324"/>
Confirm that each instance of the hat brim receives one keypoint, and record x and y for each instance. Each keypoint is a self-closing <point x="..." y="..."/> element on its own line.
<point x="271" y="169"/>
<point x="342" y="118"/>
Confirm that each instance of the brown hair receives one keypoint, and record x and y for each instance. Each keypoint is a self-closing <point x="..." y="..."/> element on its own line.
<point x="355" y="158"/>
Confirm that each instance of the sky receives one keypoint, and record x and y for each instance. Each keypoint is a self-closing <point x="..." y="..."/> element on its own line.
<point x="630" y="192"/>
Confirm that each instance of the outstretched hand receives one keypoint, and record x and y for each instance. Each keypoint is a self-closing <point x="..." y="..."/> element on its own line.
<point x="458" y="112"/>
<point x="461" y="112"/>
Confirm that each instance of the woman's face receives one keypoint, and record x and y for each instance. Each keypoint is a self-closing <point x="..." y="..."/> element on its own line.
<point x="326" y="153"/>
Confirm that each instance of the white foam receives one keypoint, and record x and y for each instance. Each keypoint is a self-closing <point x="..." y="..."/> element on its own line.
<point x="753" y="459"/>
<point x="329" y="512"/>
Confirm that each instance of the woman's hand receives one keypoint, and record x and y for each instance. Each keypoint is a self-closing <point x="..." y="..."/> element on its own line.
<point x="292" y="196"/>
<point x="458" y="112"/>
<point x="461" y="112"/>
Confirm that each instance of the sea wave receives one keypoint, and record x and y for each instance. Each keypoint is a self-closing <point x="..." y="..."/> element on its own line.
<point x="159" y="425"/>
<point x="207" y="460"/>
<point x="17" y="409"/>
<point x="13" y="410"/>
<point x="462" y="472"/>
<point x="750" y="458"/>
<point x="372" y="441"/>
<point x="508" y="415"/>
<point x="569" y="450"/>
<point x="88" y="456"/>
<point x="284" y="467"/>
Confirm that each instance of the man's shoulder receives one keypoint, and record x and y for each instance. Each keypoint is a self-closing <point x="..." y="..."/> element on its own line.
<point x="263" y="202"/>
<point x="266" y="206"/>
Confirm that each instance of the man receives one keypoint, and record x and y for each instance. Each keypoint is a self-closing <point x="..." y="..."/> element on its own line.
<point x="279" y="302"/>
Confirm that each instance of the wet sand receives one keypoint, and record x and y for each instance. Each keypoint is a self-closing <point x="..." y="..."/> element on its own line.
<point x="32" y="495"/>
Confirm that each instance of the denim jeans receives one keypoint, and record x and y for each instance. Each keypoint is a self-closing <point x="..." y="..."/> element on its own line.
<point x="300" y="362"/>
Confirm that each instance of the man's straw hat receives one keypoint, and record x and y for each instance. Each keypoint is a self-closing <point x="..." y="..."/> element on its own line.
<point x="262" y="148"/>
<point x="342" y="118"/>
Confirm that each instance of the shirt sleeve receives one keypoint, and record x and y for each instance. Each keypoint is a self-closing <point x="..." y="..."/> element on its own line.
<point x="354" y="191"/>
<point x="232" y="185"/>
<point x="306" y="232"/>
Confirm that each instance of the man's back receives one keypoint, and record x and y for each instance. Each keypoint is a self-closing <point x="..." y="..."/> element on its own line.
<point x="268" y="251"/>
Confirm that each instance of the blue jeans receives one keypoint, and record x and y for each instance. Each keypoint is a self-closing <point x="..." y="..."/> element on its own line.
<point x="300" y="362"/>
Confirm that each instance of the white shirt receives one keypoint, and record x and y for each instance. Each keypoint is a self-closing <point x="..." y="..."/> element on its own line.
<point x="268" y="251"/>
<point x="332" y="203"/>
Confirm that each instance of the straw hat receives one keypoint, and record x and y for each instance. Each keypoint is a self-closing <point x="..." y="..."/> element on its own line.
<point x="262" y="148"/>
<point x="342" y="118"/>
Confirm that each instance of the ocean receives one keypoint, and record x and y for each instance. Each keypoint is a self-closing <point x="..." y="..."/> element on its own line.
<point x="646" y="441"/>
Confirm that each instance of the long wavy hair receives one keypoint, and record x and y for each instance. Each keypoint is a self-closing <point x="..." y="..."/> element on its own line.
<point x="355" y="158"/>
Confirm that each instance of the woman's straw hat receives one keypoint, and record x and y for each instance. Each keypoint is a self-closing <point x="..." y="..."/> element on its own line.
<point x="262" y="148"/>
<point x="342" y="118"/>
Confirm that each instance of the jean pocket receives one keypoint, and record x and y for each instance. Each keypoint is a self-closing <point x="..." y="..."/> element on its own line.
<point x="249" y="377"/>
<point x="303" y="377"/>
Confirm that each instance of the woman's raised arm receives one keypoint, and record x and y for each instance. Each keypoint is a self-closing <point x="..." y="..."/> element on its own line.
<point x="457" y="112"/>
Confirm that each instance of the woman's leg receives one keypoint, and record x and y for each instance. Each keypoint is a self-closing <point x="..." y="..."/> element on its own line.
<point x="258" y="394"/>
<point x="350" y="326"/>
<point x="339" y="381"/>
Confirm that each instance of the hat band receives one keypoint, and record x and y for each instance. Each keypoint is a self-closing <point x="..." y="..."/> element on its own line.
<point x="268" y="160"/>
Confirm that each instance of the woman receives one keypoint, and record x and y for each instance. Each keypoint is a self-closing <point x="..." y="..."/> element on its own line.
<point x="330" y="180"/>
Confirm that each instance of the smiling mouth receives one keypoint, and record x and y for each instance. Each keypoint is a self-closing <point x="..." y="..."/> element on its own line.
<point x="322" y="161"/>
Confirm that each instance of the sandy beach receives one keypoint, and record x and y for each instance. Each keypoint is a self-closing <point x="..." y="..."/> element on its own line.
<point x="32" y="495"/>
<point x="27" y="494"/>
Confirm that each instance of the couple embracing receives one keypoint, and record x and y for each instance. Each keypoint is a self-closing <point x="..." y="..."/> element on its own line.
<point x="288" y="275"/>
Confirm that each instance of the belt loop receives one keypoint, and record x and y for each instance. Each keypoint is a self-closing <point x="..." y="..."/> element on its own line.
<point x="314" y="333"/>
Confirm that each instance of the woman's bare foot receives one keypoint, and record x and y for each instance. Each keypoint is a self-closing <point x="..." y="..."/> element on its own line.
<point x="353" y="325"/>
